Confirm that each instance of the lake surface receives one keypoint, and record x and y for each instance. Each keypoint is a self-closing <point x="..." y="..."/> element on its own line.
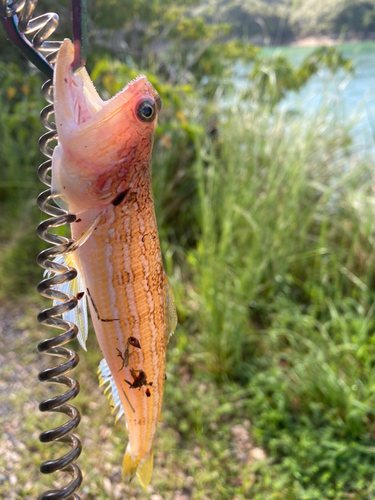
<point x="351" y="95"/>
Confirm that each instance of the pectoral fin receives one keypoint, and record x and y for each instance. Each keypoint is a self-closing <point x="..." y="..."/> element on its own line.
<point x="78" y="315"/>
<point x="86" y="234"/>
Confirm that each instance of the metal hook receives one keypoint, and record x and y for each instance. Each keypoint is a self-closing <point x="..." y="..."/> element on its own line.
<point x="79" y="12"/>
<point x="10" y="22"/>
<point x="16" y="25"/>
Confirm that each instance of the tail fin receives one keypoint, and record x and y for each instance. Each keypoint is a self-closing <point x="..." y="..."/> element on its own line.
<point x="144" y="471"/>
<point x="132" y="466"/>
<point x="129" y="466"/>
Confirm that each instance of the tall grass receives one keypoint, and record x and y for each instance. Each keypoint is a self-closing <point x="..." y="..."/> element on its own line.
<point x="283" y="273"/>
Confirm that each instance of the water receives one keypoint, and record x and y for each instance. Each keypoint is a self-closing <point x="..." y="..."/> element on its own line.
<point x="352" y="97"/>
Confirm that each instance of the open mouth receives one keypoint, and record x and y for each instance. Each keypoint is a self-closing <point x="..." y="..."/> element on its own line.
<point x="77" y="100"/>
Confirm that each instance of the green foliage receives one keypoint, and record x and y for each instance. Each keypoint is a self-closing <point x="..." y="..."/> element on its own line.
<point x="166" y="38"/>
<point x="280" y="21"/>
<point x="274" y="77"/>
<point x="218" y="59"/>
<point x="20" y="129"/>
<point x="19" y="273"/>
<point x="313" y="17"/>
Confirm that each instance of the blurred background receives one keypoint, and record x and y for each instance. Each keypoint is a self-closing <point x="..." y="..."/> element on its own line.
<point x="264" y="193"/>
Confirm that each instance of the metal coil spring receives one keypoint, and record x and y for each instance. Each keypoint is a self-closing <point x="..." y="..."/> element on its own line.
<point x="43" y="26"/>
<point x="51" y="317"/>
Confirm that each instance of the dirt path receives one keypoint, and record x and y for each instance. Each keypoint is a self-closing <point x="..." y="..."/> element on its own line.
<point x="18" y="377"/>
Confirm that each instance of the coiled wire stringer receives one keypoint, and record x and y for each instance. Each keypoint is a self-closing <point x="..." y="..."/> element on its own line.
<point x="17" y="20"/>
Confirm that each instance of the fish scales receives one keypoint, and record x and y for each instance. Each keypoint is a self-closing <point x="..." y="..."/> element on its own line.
<point x="137" y="301"/>
<point x="101" y="172"/>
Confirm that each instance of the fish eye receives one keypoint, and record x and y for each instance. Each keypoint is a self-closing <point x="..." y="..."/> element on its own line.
<point x="146" y="110"/>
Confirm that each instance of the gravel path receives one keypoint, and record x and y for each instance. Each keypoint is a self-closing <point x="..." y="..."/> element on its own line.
<point x="19" y="363"/>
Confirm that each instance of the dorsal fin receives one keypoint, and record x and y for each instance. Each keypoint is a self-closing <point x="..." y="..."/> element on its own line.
<point x="105" y="377"/>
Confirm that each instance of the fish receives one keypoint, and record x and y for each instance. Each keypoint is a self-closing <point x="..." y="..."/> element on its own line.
<point x="101" y="172"/>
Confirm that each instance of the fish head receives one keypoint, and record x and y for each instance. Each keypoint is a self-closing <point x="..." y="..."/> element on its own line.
<point x="104" y="147"/>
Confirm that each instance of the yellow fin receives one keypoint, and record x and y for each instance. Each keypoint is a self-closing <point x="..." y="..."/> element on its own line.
<point x="129" y="466"/>
<point x="144" y="471"/>
<point x="78" y="315"/>
<point x="105" y="377"/>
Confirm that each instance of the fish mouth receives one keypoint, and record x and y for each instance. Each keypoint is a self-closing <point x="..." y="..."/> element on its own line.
<point x="78" y="104"/>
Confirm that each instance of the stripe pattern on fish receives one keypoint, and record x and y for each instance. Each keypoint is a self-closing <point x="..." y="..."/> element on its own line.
<point x="101" y="171"/>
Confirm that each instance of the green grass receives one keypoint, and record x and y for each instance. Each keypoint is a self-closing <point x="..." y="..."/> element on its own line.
<point x="268" y="239"/>
<point x="283" y="274"/>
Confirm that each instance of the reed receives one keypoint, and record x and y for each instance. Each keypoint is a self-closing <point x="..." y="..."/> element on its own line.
<point x="283" y="275"/>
